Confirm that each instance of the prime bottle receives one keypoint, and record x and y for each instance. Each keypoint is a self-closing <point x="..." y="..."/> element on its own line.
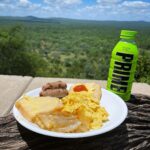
<point x="123" y="65"/>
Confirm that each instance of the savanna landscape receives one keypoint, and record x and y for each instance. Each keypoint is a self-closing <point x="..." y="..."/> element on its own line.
<point x="59" y="47"/>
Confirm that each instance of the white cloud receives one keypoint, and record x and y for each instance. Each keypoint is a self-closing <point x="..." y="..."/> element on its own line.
<point x="2" y="5"/>
<point x="7" y="4"/>
<point x="63" y="3"/>
<point x="116" y="10"/>
<point x="72" y="2"/>
<point x="100" y="10"/>
<point x="66" y="2"/>
<point x="24" y="3"/>
<point x="5" y="1"/>
<point x="108" y="2"/>
<point x="136" y="4"/>
<point x="60" y="8"/>
<point x="35" y="6"/>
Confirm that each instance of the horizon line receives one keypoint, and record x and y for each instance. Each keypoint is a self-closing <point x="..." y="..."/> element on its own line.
<point x="75" y="18"/>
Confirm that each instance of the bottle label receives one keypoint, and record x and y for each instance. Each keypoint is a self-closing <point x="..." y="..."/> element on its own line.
<point x="121" y="72"/>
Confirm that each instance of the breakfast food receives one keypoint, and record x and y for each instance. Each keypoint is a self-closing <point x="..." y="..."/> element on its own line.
<point x="91" y="88"/>
<point x="55" y="85"/>
<point x="79" y="111"/>
<point x="54" y="93"/>
<point x="58" y="121"/>
<point x="88" y="111"/>
<point x="31" y="106"/>
<point x="54" y="89"/>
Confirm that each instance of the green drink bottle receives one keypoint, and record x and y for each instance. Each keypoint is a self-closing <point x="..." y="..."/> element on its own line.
<point x="123" y="65"/>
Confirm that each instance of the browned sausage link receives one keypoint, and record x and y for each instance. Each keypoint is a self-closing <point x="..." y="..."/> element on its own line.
<point x="46" y="86"/>
<point x="54" y="85"/>
<point x="54" y="93"/>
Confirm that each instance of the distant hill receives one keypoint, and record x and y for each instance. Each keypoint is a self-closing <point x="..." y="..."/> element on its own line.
<point x="74" y="22"/>
<point x="27" y="18"/>
<point x="33" y="18"/>
<point x="67" y="48"/>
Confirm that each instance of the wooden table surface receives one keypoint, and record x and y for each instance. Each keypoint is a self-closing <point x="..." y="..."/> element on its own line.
<point x="136" y="128"/>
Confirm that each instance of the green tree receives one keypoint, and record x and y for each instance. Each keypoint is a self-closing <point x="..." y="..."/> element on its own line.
<point x="143" y="68"/>
<point x="14" y="58"/>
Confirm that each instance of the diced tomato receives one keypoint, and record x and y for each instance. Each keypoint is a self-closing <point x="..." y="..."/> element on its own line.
<point x="80" y="88"/>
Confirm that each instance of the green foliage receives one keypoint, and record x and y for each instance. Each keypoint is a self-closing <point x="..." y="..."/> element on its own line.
<point x="143" y="67"/>
<point x="67" y="48"/>
<point x="14" y="58"/>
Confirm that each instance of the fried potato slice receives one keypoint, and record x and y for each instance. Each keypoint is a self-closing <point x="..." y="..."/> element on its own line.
<point x="58" y="122"/>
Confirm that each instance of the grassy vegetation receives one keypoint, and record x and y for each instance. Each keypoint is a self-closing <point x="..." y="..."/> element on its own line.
<point x="67" y="48"/>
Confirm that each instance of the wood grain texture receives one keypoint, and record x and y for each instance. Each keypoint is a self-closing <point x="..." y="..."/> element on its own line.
<point x="11" y="88"/>
<point x="133" y="134"/>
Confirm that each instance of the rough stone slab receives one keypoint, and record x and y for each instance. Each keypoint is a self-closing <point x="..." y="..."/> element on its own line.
<point x="138" y="88"/>
<point x="38" y="82"/>
<point x="141" y="88"/>
<point x="11" y="88"/>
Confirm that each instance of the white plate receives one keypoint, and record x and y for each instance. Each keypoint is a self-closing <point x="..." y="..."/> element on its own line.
<point x="114" y="105"/>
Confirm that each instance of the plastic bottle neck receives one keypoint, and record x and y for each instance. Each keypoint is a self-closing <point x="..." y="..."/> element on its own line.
<point x="128" y="40"/>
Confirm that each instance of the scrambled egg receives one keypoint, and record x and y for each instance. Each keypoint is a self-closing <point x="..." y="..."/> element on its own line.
<point x="88" y="111"/>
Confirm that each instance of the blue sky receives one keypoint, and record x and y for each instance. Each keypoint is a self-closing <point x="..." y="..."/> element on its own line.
<point x="131" y="10"/>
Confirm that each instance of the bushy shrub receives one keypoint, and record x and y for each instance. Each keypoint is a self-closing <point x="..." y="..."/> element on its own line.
<point x="14" y="56"/>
